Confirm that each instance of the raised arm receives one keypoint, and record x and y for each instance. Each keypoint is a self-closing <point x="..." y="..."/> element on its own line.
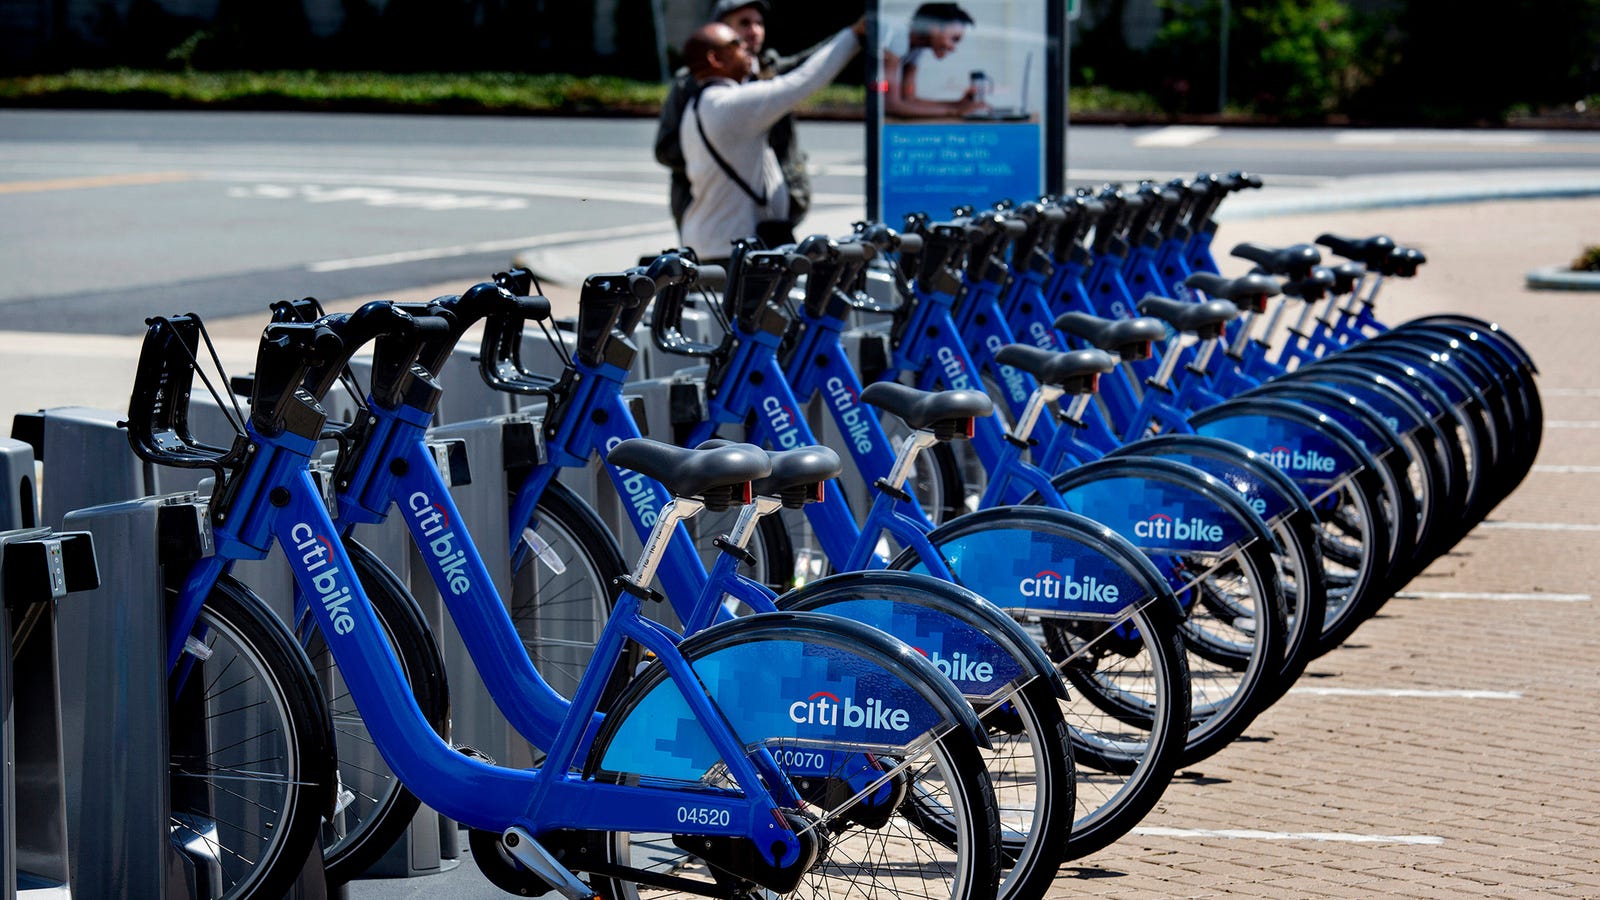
<point x="755" y="106"/>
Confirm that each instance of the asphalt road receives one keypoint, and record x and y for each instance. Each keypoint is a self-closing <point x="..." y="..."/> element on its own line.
<point x="106" y="217"/>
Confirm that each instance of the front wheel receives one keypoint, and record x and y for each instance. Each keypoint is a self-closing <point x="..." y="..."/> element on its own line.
<point x="933" y="847"/>
<point x="252" y="750"/>
<point x="561" y="594"/>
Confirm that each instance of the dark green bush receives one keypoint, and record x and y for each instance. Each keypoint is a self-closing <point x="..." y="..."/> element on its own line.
<point x="1588" y="260"/>
<point x="1292" y="58"/>
<point x="1446" y="62"/>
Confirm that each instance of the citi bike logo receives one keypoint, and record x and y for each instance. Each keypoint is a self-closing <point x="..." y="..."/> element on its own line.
<point x="785" y="424"/>
<point x="441" y="540"/>
<point x="1008" y="375"/>
<point x="1050" y="585"/>
<point x="1042" y="338"/>
<point x="639" y="491"/>
<point x="955" y="373"/>
<point x="960" y="666"/>
<point x="825" y="708"/>
<point x="851" y="418"/>
<point x="1299" y="461"/>
<point x="1164" y="527"/>
<point x="316" y="556"/>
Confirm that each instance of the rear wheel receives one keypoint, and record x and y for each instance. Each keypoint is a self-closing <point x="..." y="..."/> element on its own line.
<point x="561" y="594"/>
<point x="1125" y="753"/>
<point x="940" y="844"/>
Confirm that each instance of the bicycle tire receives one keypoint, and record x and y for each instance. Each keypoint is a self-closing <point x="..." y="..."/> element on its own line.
<point x="948" y="810"/>
<point x="1235" y="635"/>
<point x="559" y="615"/>
<point x="252" y="750"/>
<point x="379" y="808"/>
<point x="1123" y="767"/>
<point x="1030" y="757"/>
<point x="958" y="766"/>
<point x="1033" y="847"/>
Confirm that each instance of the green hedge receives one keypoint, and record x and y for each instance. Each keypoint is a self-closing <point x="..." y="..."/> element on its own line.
<point x="487" y="92"/>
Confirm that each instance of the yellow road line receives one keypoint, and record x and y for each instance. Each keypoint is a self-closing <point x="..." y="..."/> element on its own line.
<point x="92" y="181"/>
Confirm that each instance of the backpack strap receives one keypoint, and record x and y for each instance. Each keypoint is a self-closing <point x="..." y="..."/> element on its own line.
<point x="761" y="198"/>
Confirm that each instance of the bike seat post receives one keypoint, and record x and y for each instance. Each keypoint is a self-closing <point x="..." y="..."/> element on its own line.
<point x="744" y="527"/>
<point x="1241" y="335"/>
<point x="1042" y="397"/>
<point x="1202" y="355"/>
<point x="1079" y="407"/>
<point x="906" y="457"/>
<point x="1300" y="324"/>
<point x="1169" y="362"/>
<point x="678" y="509"/>
<point x="1273" y="321"/>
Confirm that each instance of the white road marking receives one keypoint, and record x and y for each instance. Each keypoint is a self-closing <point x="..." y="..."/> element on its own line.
<point x="1570" y="392"/>
<point x="1177" y="136"/>
<point x="1568" y="470"/>
<point x="522" y="243"/>
<point x="1470" y="595"/>
<point x="1365" y="136"/>
<point x="1567" y="423"/>
<point x="1410" y="693"/>
<point x="435" y="201"/>
<point x="1248" y="834"/>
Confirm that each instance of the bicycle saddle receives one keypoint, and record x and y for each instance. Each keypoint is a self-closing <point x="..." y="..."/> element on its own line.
<point x="798" y="474"/>
<point x="943" y="412"/>
<point x="1291" y="262"/>
<point x="1372" y="251"/>
<point x="1345" y="276"/>
<point x="1314" y="286"/>
<point x="1075" y="371"/>
<point x="1204" y="320"/>
<point x="712" y="474"/>
<point x="1248" y="292"/>
<point x="1130" y="339"/>
<point x="1403" y="262"/>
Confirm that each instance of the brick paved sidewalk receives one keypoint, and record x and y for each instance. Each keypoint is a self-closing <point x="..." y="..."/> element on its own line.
<point x="1480" y="781"/>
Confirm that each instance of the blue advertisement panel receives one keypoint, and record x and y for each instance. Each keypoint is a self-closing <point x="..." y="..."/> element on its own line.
<point x="963" y="104"/>
<point x="934" y="168"/>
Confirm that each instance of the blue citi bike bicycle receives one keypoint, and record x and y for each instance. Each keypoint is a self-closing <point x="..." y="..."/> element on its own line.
<point x="872" y="716"/>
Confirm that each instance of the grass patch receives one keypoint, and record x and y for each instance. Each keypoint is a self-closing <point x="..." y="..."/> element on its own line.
<point x="476" y="92"/>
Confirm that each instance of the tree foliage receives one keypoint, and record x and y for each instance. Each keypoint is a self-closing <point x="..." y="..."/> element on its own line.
<point x="1291" y="58"/>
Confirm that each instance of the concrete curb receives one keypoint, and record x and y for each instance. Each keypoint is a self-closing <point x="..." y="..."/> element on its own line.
<point x="1560" y="278"/>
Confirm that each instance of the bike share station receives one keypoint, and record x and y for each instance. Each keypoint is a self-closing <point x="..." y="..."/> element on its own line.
<point x="87" y="795"/>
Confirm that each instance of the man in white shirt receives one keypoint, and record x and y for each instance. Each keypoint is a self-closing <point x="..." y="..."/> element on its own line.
<point x="734" y="175"/>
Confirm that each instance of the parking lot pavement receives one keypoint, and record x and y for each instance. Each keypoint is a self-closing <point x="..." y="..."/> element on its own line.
<point x="1448" y="748"/>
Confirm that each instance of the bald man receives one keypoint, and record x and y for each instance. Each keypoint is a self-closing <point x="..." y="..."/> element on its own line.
<point x="734" y="175"/>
